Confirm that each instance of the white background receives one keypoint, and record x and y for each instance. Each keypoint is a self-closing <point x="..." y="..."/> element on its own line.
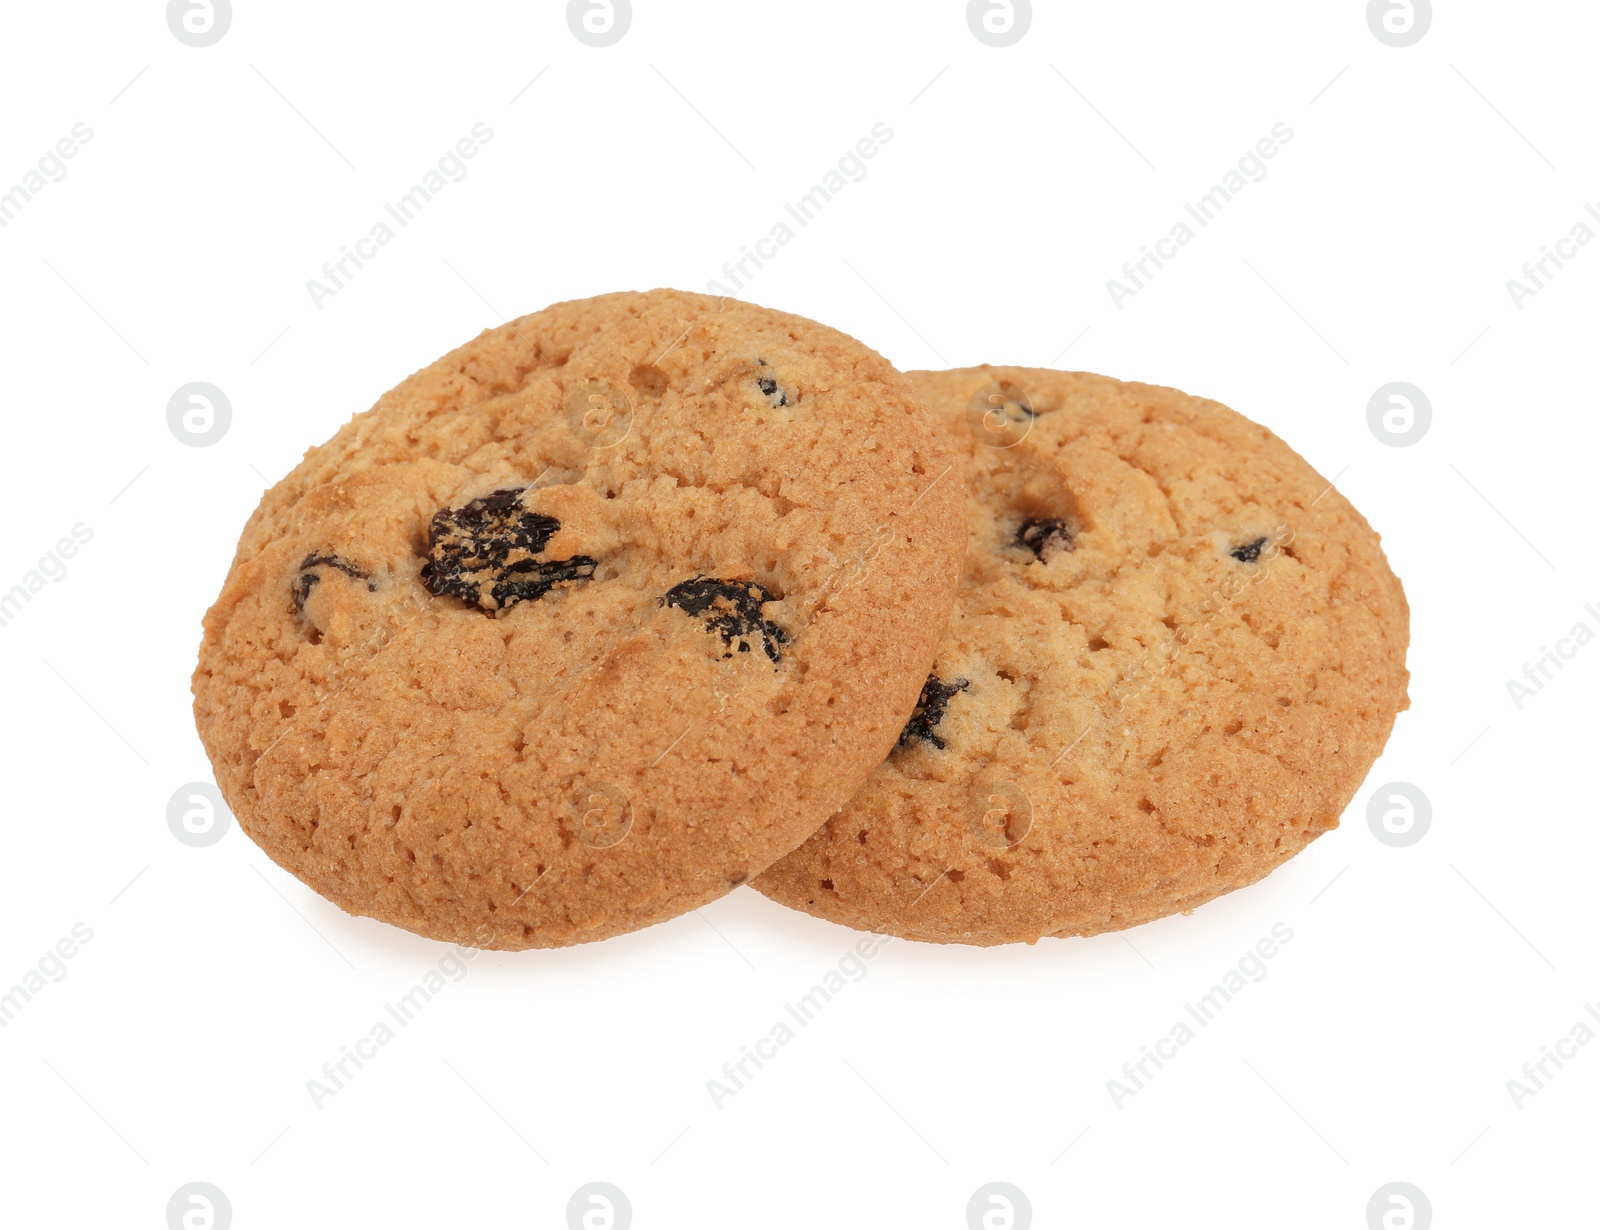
<point x="1018" y="180"/>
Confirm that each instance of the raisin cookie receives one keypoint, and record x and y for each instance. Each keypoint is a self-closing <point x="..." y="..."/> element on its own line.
<point x="1176" y="653"/>
<point x="586" y="623"/>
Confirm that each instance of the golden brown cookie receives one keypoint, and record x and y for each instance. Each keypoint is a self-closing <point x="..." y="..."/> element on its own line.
<point x="1176" y="652"/>
<point x="586" y="623"/>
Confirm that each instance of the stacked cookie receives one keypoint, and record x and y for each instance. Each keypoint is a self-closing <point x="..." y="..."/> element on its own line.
<point x="639" y="598"/>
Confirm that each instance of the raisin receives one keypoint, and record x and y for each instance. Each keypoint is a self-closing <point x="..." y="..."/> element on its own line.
<point x="1012" y="404"/>
<point x="1249" y="552"/>
<point x="731" y="609"/>
<point x="483" y="553"/>
<point x="930" y="711"/>
<point x="1045" y="534"/>
<point x="775" y="396"/>
<point x="308" y="579"/>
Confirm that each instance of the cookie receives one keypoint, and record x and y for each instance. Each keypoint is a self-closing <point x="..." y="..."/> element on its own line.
<point x="1176" y="652"/>
<point x="585" y="624"/>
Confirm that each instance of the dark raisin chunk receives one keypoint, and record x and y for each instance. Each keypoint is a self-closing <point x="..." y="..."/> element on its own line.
<point x="1045" y="534"/>
<point x="1249" y="552"/>
<point x="484" y="553"/>
<point x="309" y="577"/>
<point x="775" y="396"/>
<point x="731" y="609"/>
<point x="930" y="711"/>
<point x="1011" y="403"/>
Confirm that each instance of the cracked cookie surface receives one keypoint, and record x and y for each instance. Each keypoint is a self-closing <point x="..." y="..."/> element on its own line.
<point x="1182" y="650"/>
<point x="585" y="623"/>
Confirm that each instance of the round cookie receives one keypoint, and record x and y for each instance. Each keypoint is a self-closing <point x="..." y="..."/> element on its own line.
<point x="1176" y="652"/>
<point x="585" y="624"/>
